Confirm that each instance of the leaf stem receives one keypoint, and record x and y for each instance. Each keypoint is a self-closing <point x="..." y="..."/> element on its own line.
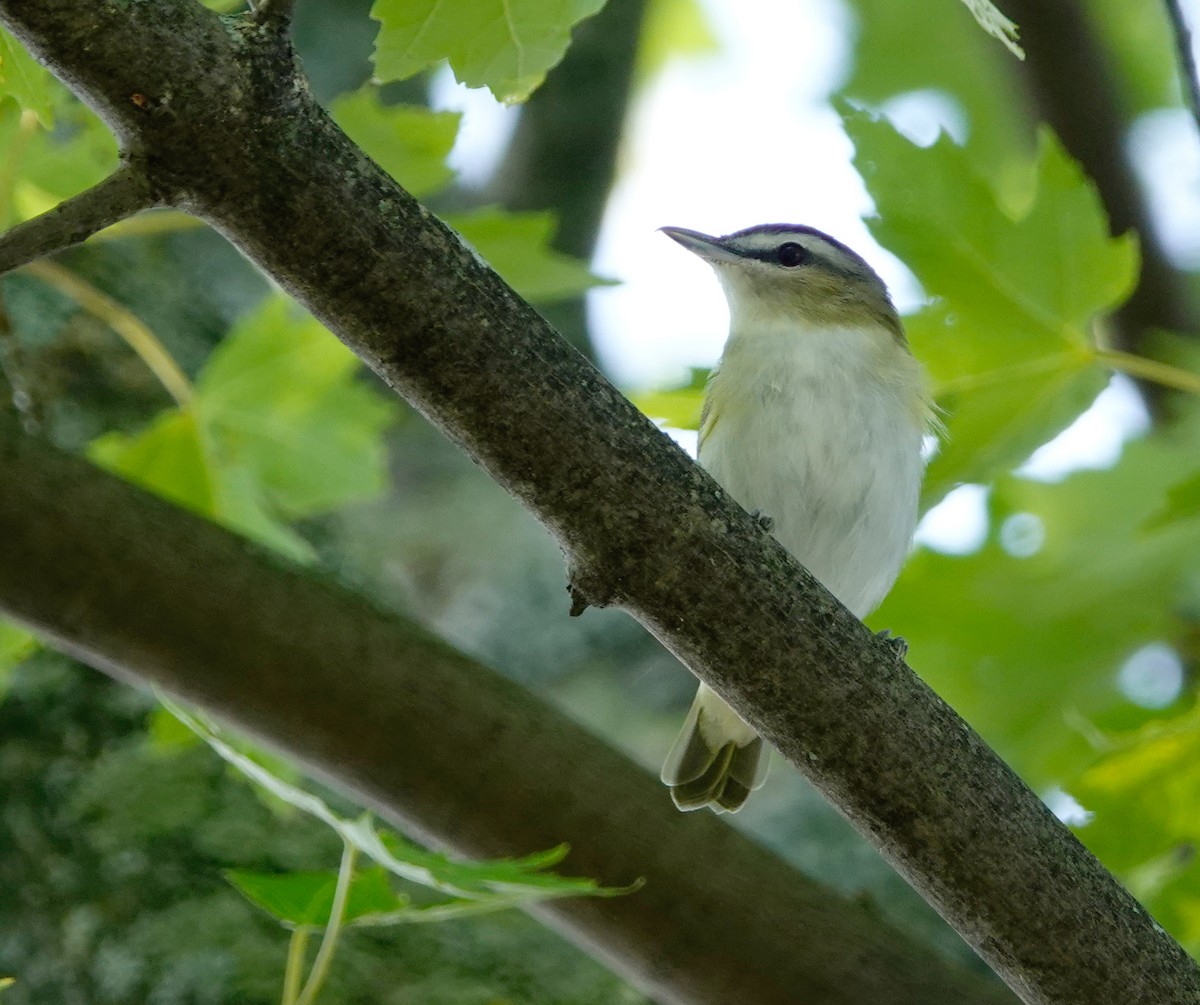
<point x="129" y="327"/>
<point x="333" y="930"/>
<point x="1150" y="369"/>
<point x="295" y="964"/>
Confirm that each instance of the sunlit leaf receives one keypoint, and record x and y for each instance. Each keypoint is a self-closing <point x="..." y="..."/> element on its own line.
<point x="24" y="80"/>
<point x="167" y="733"/>
<point x="409" y="142"/>
<point x="504" y="45"/>
<point x="1009" y="338"/>
<point x="517" y="245"/>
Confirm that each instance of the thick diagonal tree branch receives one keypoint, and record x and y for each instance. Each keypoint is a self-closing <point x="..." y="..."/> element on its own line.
<point x="456" y="752"/>
<point x="232" y="127"/>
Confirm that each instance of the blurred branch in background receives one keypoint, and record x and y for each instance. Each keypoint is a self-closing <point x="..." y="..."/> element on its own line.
<point x="1187" y="60"/>
<point x="552" y="163"/>
<point x="462" y="756"/>
<point x="1071" y="82"/>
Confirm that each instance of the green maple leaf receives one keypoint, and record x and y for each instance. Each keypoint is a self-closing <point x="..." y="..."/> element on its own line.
<point x="507" y="46"/>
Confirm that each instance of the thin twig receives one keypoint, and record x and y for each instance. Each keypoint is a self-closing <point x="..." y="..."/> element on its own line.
<point x="122" y="194"/>
<point x="1187" y="64"/>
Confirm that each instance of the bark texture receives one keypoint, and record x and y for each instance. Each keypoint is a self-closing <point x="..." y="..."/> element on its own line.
<point x="457" y="753"/>
<point x="228" y="129"/>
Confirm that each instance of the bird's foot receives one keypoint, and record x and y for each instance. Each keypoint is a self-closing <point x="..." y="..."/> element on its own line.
<point x="765" y="522"/>
<point x="899" y="646"/>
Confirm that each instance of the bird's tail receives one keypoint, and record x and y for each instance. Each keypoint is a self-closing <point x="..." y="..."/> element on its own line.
<point x="717" y="761"/>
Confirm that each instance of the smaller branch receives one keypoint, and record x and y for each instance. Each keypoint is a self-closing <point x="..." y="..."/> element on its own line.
<point x="1187" y="63"/>
<point x="122" y="194"/>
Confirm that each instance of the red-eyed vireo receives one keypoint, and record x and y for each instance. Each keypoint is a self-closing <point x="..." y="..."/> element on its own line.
<point x="815" y="418"/>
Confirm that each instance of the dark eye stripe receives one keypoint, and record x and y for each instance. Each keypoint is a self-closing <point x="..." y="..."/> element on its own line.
<point x="759" y="254"/>
<point x="813" y="258"/>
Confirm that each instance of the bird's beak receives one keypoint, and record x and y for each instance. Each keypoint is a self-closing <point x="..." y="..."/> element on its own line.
<point x="711" y="249"/>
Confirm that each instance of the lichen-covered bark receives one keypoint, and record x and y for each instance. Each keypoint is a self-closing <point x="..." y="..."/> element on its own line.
<point x="233" y="133"/>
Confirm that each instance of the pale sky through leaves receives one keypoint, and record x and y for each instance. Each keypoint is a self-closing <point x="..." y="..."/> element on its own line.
<point x="744" y="135"/>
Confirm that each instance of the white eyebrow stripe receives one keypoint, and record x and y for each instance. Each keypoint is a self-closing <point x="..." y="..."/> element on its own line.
<point x="762" y="244"/>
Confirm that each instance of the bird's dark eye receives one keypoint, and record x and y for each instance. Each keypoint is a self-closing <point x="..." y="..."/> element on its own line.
<point x="792" y="254"/>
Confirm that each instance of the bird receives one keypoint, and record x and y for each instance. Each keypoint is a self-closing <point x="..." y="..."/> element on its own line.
<point x="815" y="420"/>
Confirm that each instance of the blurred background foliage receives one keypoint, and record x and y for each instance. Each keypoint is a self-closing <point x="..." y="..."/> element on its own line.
<point x="1065" y="627"/>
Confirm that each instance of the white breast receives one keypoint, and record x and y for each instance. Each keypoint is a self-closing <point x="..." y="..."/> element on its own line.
<point x="821" y="431"/>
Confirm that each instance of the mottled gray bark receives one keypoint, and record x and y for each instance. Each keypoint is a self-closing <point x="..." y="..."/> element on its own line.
<point x="230" y="132"/>
<point x="460" y="755"/>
